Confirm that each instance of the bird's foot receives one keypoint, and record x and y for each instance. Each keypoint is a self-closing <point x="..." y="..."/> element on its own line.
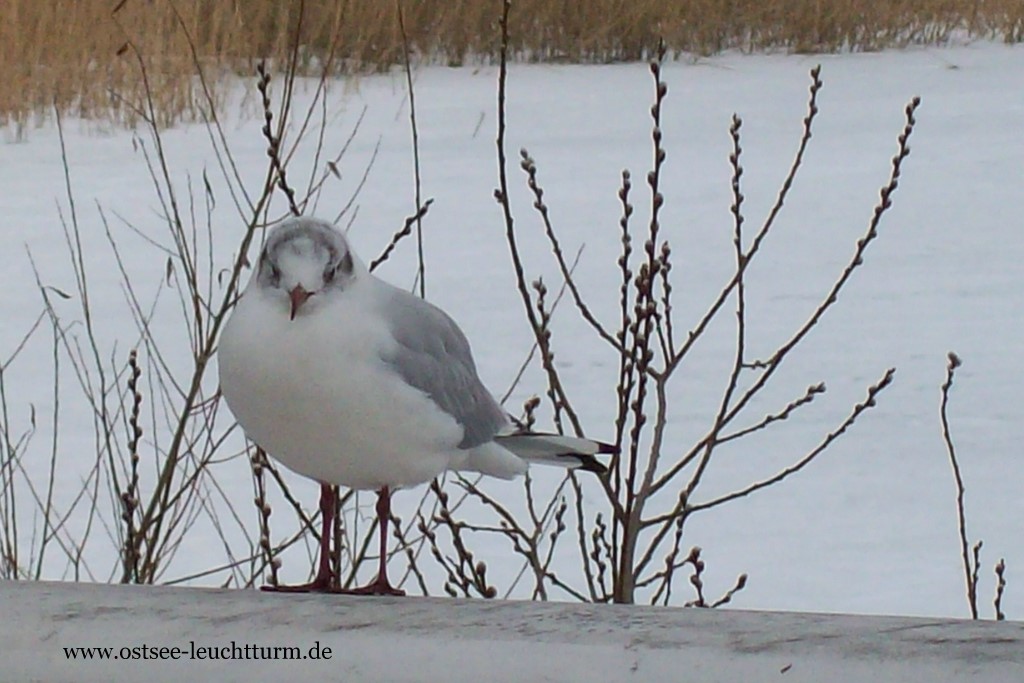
<point x="379" y="587"/>
<point x="321" y="584"/>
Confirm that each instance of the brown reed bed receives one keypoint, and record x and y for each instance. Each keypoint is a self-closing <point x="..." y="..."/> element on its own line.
<point x="84" y="55"/>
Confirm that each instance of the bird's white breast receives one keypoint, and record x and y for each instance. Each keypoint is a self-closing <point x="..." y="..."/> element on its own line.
<point x="316" y="395"/>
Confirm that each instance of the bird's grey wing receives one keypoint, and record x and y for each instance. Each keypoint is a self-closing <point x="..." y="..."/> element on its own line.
<point x="433" y="355"/>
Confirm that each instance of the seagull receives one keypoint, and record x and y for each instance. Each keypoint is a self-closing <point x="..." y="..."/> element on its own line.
<point x="353" y="382"/>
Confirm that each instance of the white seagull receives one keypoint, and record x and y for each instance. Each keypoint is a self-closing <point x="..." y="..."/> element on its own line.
<point x="350" y="381"/>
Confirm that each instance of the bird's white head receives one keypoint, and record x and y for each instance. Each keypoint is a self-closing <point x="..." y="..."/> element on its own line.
<point x="303" y="258"/>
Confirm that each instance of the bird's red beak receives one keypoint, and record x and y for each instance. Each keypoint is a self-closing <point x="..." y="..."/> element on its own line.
<point x="298" y="295"/>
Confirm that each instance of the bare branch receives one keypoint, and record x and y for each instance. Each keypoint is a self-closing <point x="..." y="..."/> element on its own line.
<point x="970" y="569"/>
<point x="401" y="234"/>
<point x="867" y="404"/>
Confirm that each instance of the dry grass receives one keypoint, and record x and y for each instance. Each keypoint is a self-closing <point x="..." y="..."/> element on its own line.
<point x="82" y="55"/>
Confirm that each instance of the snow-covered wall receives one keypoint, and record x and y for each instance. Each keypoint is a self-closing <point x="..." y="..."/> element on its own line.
<point x="231" y="635"/>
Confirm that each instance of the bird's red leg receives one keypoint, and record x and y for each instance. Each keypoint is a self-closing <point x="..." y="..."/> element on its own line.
<point x="381" y="586"/>
<point x="328" y="505"/>
<point x="325" y="580"/>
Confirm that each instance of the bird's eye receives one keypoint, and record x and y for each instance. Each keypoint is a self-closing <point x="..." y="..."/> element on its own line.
<point x="330" y="273"/>
<point x="275" y="273"/>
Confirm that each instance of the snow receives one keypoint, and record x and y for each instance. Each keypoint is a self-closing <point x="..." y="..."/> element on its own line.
<point x="868" y="528"/>
<point x="423" y="639"/>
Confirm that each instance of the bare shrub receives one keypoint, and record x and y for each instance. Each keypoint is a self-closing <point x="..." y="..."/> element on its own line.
<point x="161" y="442"/>
<point x="620" y="544"/>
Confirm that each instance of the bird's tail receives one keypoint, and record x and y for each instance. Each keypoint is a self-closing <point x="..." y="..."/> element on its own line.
<point x="556" y="449"/>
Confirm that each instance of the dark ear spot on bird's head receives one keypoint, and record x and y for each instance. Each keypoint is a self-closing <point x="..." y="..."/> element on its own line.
<point x="269" y="273"/>
<point x="345" y="267"/>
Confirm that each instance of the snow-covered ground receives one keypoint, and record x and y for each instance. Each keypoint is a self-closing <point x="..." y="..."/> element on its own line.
<point x="119" y="633"/>
<point x="871" y="526"/>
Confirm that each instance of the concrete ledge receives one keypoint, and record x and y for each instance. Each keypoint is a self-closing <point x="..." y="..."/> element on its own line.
<point x="449" y="641"/>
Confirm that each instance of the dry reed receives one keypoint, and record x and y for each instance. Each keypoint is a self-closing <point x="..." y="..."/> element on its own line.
<point x="75" y="54"/>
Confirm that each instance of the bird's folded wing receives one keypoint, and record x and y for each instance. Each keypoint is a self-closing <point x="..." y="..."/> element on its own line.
<point x="433" y="355"/>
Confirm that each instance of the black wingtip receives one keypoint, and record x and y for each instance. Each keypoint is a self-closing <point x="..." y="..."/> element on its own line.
<point x="590" y="463"/>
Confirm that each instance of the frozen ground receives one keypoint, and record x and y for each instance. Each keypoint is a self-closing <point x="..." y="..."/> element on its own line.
<point x="871" y="527"/>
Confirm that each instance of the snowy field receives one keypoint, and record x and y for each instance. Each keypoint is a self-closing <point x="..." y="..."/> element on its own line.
<point x="871" y="526"/>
